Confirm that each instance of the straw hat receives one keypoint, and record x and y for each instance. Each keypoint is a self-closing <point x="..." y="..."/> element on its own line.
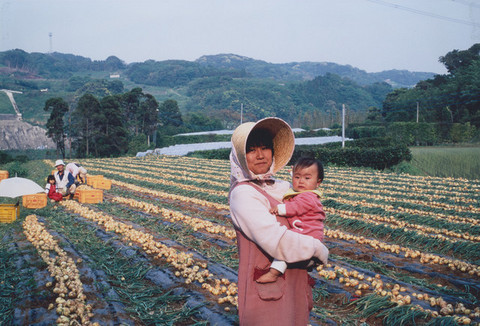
<point x="283" y="140"/>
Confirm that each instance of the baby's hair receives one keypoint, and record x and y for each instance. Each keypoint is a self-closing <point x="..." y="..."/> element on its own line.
<point x="50" y="177"/>
<point x="259" y="137"/>
<point x="305" y="162"/>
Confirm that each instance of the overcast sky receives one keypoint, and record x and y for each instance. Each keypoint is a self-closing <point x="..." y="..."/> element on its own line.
<point x="372" y="35"/>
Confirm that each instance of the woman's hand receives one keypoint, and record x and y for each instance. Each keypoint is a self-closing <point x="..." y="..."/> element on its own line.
<point x="322" y="254"/>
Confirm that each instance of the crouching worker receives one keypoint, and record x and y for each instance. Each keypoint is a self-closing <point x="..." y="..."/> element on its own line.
<point x="78" y="172"/>
<point x="64" y="180"/>
<point x="51" y="189"/>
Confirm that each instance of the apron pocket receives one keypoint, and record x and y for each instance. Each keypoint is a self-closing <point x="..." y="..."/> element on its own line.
<point x="270" y="291"/>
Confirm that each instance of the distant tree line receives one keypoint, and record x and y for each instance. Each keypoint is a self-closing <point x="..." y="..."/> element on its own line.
<point x="219" y="91"/>
<point x="205" y="88"/>
<point x="117" y="124"/>
<point x="104" y="127"/>
<point x="178" y="72"/>
<point x="311" y="104"/>
<point x="419" y="134"/>
<point x="448" y="105"/>
<point x="55" y="65"/>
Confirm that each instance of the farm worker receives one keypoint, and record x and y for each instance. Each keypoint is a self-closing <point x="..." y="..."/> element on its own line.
<point x="302" y="208"/>
<point x="65" y="182"/>
<point x="77" y="170"/>
<point x="259" y="150"/>
<point x="51" y="189"/>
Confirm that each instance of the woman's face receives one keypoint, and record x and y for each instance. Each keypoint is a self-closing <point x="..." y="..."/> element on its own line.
<point x="259" y="159"/>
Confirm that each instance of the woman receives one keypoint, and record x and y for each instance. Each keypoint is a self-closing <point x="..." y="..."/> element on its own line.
<point x="258" y="151"/>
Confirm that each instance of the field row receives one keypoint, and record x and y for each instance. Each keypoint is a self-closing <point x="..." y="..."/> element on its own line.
<point x="428" y="230"/>
<point x="382" y="246"/>
<point x="358" y="282"/>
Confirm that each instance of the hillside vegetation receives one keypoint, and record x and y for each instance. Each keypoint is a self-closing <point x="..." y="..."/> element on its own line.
<point x="215" y="86"/>
<point x="110" y="108"/>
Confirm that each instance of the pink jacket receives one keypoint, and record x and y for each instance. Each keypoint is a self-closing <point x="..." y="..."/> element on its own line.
<point x="305" y="213"/>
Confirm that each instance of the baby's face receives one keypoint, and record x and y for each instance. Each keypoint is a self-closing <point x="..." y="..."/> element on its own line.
<point x="306" y="178"/>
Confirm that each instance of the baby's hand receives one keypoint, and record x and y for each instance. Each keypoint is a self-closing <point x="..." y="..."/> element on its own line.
<point x="274" y="210"/>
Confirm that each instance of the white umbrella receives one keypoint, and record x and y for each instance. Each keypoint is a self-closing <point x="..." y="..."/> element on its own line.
<point x="14" y="187"/>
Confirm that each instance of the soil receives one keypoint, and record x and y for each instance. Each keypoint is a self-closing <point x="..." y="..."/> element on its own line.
<point x="434" y="274"/>
<point x="32" y="309"/>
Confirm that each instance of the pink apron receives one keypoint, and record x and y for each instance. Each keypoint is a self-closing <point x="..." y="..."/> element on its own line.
<point x="287" y="301"/>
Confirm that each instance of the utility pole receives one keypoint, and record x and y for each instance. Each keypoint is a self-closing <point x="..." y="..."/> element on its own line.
<point x="343" y="125"/>
<point x="241" y="113"/>
<point x="51" y="48"/>
<point x="69" y="136"/>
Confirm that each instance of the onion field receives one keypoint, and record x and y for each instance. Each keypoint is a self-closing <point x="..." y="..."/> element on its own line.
<point x="160" y="250"/>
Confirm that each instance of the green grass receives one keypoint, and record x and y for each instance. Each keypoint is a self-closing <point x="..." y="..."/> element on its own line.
<point x="456" y="162"/>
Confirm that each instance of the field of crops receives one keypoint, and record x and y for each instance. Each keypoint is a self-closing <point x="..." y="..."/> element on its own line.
<point x="458" y="162"/>
<point x="160" y="249"/>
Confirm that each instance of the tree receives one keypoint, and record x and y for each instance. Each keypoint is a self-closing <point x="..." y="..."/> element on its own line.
<point x="113" y="137"/>
<point x="86" y="119"/>
<point x="169" y="114"/>
<point x="444" y="99"/>
<point x="148" y="115"/>
<point x="398" y="106"/>
<point x="200" y="122"/>
<point x="141" y="112"/>
<point x="16" y="59"/>
<point x="55" y="125"/>
<point x="374" y="114"/>
<point x="131" y="106"/>
<point x="456" y="59"/>
<point x="100" y="87"/>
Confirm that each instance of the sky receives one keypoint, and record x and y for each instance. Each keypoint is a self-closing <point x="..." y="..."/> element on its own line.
<point x="372" y="35"/>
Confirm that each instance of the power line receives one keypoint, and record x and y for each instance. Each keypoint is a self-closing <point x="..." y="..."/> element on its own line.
<point x="425" y="13"/>
<point x="467" y="3"/>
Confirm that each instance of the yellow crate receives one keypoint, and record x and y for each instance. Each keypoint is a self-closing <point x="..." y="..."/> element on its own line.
<point x="91" y="178"/>
<point x="9" y="213"/>
<point x="102" y="183"/>
<point x="89" y="196"/>
<point x="34" y="201"/>
<point x="3" y="174"/>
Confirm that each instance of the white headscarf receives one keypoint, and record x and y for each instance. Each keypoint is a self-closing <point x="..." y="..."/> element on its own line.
<point x="283" y="145"/>
<point x="238" y="174"/>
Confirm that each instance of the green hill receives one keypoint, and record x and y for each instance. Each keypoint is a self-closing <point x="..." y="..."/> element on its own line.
<point x="215" y="86"/>
<point x="301" y="71"/>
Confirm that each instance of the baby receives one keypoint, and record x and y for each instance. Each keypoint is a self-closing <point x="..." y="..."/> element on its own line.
<point x="301" y="207"/>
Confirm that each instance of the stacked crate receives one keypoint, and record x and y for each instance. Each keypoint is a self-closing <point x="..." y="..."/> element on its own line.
<point x="99" y="182"/>
<point x="92" y="178"/>
<point x="9" y="213"/>
<point x="34" y="201"/>
<point x="3" y="175"/>
<point x="89" y="196"/>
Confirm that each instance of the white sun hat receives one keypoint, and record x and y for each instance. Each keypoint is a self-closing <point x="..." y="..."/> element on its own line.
<point x="59" y="162"/>
<point x="283" y="140"/>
